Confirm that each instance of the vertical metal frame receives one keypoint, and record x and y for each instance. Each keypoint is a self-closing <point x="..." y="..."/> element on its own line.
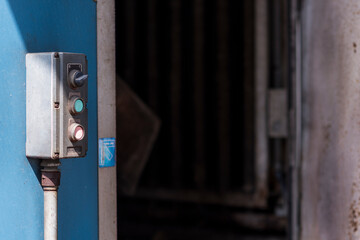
<point x="261" y="82"/>
<point x="106" y="115"/>
<point x="257" y="185"/>
<point x="295" y="118"/>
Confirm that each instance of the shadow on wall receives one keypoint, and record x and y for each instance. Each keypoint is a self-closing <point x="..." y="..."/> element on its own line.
<point x="55" y="25"/>
<point x="65" y="26"/>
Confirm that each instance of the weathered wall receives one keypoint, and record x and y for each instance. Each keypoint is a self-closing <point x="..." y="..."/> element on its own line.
<point x="330" y="203"/>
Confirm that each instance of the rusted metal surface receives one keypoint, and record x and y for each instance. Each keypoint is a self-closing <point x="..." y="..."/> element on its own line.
<point x="50" y="178"/>
<point x="50" y="174"/>
<point x="331" y="116"/>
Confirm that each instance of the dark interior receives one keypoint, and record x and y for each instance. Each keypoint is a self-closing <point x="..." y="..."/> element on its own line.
<point x="192" y="63"/>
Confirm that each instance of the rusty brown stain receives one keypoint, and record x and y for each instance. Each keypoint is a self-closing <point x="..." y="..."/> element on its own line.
<point x="354" y="187"/>
<point x="327" y="128"/>
<point x="354" y="45"/>
<point x="354" y="210"/>
<point x="354" y="216"/>
<point x="326" y="137"/>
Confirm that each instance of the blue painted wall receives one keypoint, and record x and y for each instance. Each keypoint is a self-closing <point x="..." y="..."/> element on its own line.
<point x="44" y="26"/>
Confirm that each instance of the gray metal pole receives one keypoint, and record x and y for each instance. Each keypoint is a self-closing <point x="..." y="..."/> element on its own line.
<point x="50" y="214"/>
<point x="50" y="181"/>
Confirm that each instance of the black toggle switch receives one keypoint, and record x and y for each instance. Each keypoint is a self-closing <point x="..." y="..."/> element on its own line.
<point x="77" y="78"/>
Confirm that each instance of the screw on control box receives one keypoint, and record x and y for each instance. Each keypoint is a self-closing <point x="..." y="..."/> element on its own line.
<point x="56" y="98"/>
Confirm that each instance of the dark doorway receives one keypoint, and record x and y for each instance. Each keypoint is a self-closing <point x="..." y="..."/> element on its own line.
<point x="192" y="62"/>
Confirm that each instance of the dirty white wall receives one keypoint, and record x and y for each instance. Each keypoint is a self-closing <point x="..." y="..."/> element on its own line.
<point x="330" y="185"/>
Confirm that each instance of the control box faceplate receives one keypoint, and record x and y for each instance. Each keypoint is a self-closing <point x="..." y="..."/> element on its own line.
<point x="56" y="111"/>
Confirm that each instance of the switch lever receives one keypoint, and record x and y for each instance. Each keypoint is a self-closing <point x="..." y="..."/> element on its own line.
<point x="77" y="78"/>
<point x="80" y="80"/>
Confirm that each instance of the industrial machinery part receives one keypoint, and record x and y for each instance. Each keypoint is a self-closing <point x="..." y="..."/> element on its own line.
<point x="56" y="119"/>
<point x="56" y="113"/>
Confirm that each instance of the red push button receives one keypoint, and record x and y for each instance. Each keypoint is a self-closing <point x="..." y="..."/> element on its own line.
<point x="76" y="132"/>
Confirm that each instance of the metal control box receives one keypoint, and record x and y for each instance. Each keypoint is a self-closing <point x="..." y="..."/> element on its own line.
<point x="56" y="112"/>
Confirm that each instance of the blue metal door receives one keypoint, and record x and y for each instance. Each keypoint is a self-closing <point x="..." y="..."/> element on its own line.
<point x="44" y="26"/>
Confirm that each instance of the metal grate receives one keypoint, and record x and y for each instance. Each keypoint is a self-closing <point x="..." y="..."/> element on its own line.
<point x="193" y="62"/>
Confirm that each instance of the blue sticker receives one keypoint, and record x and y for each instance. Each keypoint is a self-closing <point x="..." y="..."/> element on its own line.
<point x="107" y="152"/>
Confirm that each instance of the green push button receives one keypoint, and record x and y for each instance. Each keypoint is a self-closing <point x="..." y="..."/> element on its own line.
<point x="78" y="105"/>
